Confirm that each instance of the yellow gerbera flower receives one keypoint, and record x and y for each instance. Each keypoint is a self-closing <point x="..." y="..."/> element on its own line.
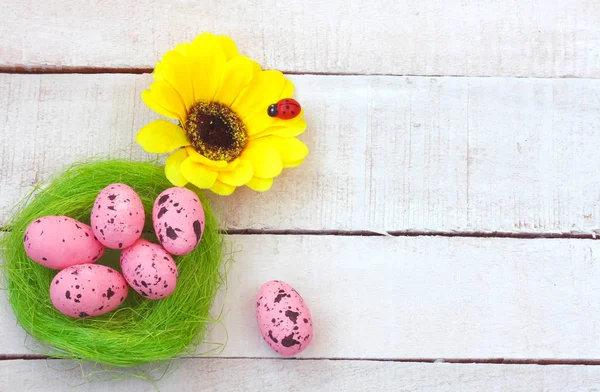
<point x="224" y="138"/>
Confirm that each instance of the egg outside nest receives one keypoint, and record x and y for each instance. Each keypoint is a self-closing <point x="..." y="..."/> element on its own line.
<point x="284" y="320"/>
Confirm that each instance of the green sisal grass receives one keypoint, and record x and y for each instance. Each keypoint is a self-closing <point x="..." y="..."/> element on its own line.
<point x="140" y="331"/>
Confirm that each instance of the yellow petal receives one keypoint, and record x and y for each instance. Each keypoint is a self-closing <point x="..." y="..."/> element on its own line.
<point x="197" y="157"/>
<point x="222" y="189"/>
<point x="257" y="68"/>
<point x="161" y="136"/>
<point x="266" y="88"/>
<point x="228" y="46"/>
<point x="260" y="184"/>
<point x="238" y="177"/>
<point x="202" y="38"/>
<point x="265" y="159"/>
<point x="289" y="165"/>
<point x="289" y="130"/>
<point x="230" y="165"/>
<point x="175" y="69"/>
<point x="238" y="72"/>
<point x="166" y="97"/>
<point x="288" y="90"/>
<point x="260" y="120"/>
<point x="198" y="174"/>
<point x="147" y="98"/>
<point x="207" y="63"/>
<point x="290" y="149"/>
<point x="261" y="124"/>
<point x="157" y="74"/>
<point x="182" y="48"/>
<point x="172" y="167"/>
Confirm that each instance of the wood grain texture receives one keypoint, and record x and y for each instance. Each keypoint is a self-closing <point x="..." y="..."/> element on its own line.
<point x="412" y="297"/>
<point x="542" y="38"/>
<point x="387" y="153"/>
<point x="302" y="376"/>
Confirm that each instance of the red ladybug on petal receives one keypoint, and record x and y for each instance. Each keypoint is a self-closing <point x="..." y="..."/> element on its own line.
<point x="285" y="109"/>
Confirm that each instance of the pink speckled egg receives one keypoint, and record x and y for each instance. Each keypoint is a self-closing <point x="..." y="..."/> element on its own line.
<point x="118" y="216"/>
<point x="178" y="219"/>
<point x="59" y="242"/>
<point x="283" y="318"/>
<point x="88" y="290"/>
<point x="149" y="269"/>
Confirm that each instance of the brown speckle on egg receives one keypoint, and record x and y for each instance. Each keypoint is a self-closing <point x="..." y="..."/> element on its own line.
<point x="163" y="199"/>
<point x="171" y="233"/>
<point x="272" y="337"/>
<point x="289" y="341"/>
<point x="162" y="212"/>
<point x="293" y="316"/>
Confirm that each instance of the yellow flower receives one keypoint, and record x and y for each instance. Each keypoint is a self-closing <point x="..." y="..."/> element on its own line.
<point x="225" y="138"/>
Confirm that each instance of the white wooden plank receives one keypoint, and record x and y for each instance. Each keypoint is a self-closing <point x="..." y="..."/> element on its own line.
<point x="312" y="375"/>
<point x="414" y="297"/>
<point x="387" y="153"/>
<point x="416" y="37"/>
<point x="484" y="154"/>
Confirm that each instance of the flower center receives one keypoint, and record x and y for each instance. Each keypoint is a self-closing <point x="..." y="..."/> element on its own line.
<point x="216" y="131"/>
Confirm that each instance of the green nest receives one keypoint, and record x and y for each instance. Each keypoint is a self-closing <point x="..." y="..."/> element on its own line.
<point x="140" y="331"/>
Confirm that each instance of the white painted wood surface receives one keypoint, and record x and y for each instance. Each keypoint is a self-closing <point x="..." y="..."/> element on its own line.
<point x="511" y="153"/>
<point x="543" y="38"/>
<point x="387" y="153"/>
<point x="310" y="375"/>
<point x="413" y="297"/>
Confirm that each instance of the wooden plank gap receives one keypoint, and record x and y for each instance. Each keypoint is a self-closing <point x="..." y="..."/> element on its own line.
<point x="482" y="361"/>
<point x="503" y="361"/>
<point x="21" y="70"/>
<point x="495" y="234"/>
<point x="366" y="233"/>
<point x="411" y="233"/>
<point x="10" y="357"/>
<point x="71" y="70"/>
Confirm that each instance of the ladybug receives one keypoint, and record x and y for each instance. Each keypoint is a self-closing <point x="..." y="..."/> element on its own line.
<point x="285" y="109"/>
